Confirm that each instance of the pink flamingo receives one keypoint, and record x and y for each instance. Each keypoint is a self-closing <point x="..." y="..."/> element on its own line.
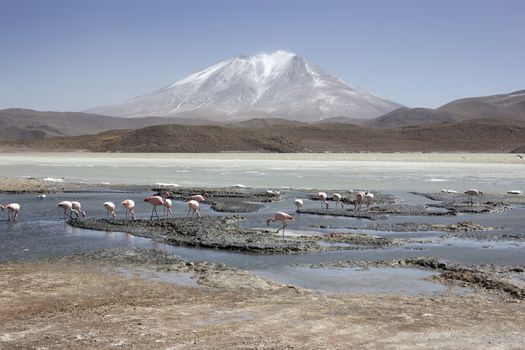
<point x="323" y="196"/>
<point x="193" y="206"/>
<point x="369" y="199"/>
<point x="167" y="203"/>
<point x="12" y="210"/>
<point x="167" y="208"/>
<point x="155" y="201"/>
<point x="77" y="208"/>
<point x="338" y="199"/>
<point x="129" y="205"/>
<point x="66" y="205"/>
<point x="199" y="197"/>
<point x="110" y="209"/>
<point x="359" y="199"/>
<point x="280" y="216"/>
<point x="473" y="192"/>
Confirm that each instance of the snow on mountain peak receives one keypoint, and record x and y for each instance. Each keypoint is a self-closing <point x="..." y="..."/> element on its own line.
<point x="276" y="84"/>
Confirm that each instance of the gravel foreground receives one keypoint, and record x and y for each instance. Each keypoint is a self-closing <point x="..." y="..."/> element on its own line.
<point x="83" y="302"/>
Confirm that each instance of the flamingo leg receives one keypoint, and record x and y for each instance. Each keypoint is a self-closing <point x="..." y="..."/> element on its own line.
<point x="157" y="214"/>
<point x="132" y="214"/>
<point x="282" y="228"/>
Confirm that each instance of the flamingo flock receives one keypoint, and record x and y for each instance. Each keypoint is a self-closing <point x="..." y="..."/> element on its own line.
<point x="71" y="208"/>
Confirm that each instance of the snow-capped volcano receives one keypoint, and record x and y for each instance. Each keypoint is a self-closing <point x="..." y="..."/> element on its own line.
<point x="278" y="84"/>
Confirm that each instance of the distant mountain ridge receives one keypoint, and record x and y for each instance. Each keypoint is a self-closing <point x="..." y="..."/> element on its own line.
<point x="468" y="136"/>
<point x="17" y="123"/>
<point x="511" y="105"/>
<point x="280" y="84"/>
<point x="501" y="106"/>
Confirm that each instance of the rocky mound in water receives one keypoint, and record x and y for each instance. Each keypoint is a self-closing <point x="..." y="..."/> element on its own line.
<point x="226" y="200"/>
<point x="208" y="232"/>
<point x="463" y="226"/>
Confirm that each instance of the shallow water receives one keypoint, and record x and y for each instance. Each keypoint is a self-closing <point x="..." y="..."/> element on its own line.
<point x="410" y="281"/>
<point x="392" y="172"/>
<point x="42" y="232"/>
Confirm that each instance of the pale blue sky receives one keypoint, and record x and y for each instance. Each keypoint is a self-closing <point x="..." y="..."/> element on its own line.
<point x="73" y="55"/>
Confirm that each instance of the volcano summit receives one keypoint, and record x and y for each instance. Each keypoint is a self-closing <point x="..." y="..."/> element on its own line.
<point x="280" y="84"/>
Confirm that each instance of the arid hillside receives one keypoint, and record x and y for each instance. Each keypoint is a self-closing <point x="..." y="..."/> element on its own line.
<point x="485" y="135"/>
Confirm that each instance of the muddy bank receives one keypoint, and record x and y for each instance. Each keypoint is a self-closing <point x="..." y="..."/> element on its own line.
<point x="379" y="212"/>
<point x="361" y="241"/>
<point x="348" y="198"/>
<point x="463" y="226"/>
<point x="475" y="208"/>
<point x="229" y="200"/>
<point x="458" y="202"/>
<point x="463" y="199"/>
<point x="33" y="185"/>
<point x="205" y="273"/>
<point x="507" y="281"/>
<point x="361" y="214"/>
<point x="67" y="305"/>
<point x="487" y="236"/>
<point x="41" y="186"/>
<point x="207" y="232"/>
<point x="233" y="205"/>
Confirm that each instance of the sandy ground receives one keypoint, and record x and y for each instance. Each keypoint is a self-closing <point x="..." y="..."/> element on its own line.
<point x="82" y="305"/>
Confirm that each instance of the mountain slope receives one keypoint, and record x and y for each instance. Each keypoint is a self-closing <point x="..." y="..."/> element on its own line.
<point x="279" y="85"/>
<point x="411" y="117"/>
<point x="18" y="123"/>
<point x="503" y="106"/>
<point x="496" y="106"/>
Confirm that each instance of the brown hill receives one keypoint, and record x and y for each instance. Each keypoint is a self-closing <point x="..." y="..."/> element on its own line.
<point x="489" y="135"/>
<point x="504" y="106"/>
<point x="410" y="117"/>
<point x="497" y="106"/>
<point x="16" y="123"/>
<point x="263" y="123"/>
<point x="343" y="120"/>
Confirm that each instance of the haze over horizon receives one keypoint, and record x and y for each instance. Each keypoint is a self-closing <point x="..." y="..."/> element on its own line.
<point x="70" y="56"/>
